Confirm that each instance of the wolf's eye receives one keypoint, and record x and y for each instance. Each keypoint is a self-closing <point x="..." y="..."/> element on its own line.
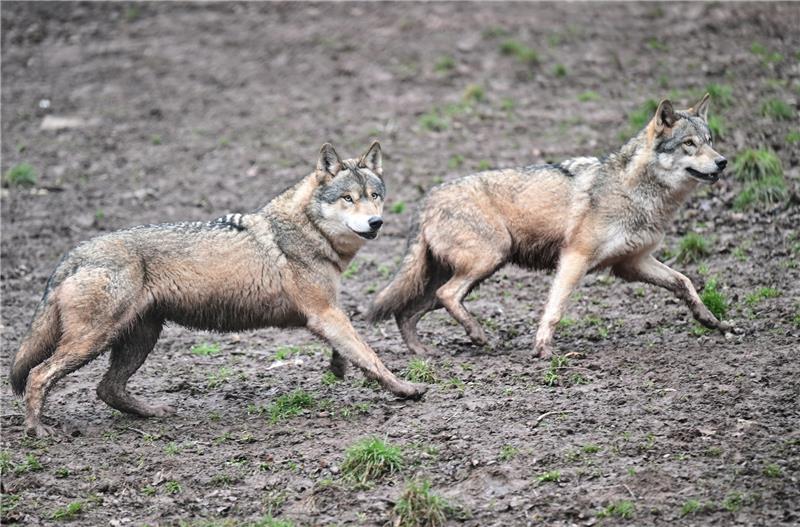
<point x="375" y="196"/>
<point x="348" y="199"/>
<point x="689" y="142"/>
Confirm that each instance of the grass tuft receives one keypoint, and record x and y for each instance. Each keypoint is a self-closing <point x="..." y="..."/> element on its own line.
<point x="553" y="476"/>
<point x="370" y="459"/>
<point x="205" y="349"/>
<point x="777" y="109"/>
<point x="622" y="509"/>
<point x="474" y="93"/>
<point x="444" y="64"/>
<point x="21" y="175"/>
<point x="289" y="405"/>
<point x="762" y="294"/>
<point x="420" y="370"/>
<point x="419" y="507"/>
<point x="714" y="300"/>
<point x="767" y="191"/>
<point x="755" y="164"/>
<point x="717" y="126"/>
<point x="692" y="248"/>
<point x="589" y="96"/>
<point x="721" y="94"/>
<point x="68" y="512"/>
<point x="520" y="51"/>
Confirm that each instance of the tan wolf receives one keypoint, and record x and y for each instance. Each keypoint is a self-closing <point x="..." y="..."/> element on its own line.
<point x="277" y="266"/>
<point x="577" y="216"/>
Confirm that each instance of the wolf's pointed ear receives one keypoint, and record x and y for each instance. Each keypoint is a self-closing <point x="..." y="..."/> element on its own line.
<point x="701" y="109"/>
<point x="372" y="158"/>
<point x="328" y="164"/>
<point x="665" y="116"/>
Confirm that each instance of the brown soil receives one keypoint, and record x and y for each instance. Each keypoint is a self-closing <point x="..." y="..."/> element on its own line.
<point x="195" y="111"/>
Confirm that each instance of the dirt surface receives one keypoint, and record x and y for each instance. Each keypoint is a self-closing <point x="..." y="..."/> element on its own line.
<point x="194" y="111"/>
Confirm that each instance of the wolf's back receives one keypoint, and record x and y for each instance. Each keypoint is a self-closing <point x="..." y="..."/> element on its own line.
<point x="407" y="284"/>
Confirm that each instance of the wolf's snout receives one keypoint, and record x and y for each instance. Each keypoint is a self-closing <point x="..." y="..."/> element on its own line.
<point x="721" y="163"/>
<point x="375" y="222"/>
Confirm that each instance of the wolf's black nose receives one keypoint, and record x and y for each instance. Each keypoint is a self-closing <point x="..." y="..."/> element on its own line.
<point x="375" y="222"/>
<point x="721" y="163"/>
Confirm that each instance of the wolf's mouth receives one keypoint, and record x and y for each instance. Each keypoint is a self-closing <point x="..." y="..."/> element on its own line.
<point x="702" y="176"/>
<point x="369" y="235"/>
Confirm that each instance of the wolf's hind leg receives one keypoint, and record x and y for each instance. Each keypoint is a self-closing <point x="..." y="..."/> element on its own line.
<point x="408" y="319"/>
<point x="651" y="271"/>
<point x="128" y="353"/>
<point x="452" y="293"/>
<point x="73" y="351"/>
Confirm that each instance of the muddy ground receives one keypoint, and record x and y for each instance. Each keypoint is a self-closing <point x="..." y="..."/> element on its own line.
<point x="194" y="111"/>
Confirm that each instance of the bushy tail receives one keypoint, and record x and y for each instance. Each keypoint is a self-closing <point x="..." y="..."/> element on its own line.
<point x="37" y="346"/>
<point x="407" y="284"/>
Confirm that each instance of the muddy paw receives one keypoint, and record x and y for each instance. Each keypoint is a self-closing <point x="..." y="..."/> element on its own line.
<point x="338" y="368"/>
<point x="161" y="410"/>
<point x="408" y="390"/>
<point x="479" y="338"/>
<point x="543" y="351"/>
<point x="39" y="430"/>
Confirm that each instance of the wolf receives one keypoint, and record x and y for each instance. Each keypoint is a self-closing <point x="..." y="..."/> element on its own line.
<point x="277" y="266"/>
<point x="581" y="215"/>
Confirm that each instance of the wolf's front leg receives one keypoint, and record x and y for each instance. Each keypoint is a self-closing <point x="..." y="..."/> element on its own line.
<point x="334" y="326"/>
<point x="651" y="271"/>
<point x="572" y="266"/>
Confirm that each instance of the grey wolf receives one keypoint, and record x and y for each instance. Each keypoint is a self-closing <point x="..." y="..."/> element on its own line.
<point x="277" y="266"/>
<point x="581" y="215"/>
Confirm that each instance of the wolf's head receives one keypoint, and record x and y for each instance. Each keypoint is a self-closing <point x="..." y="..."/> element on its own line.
<point x="350" y="196"/>
<point x="682" y="144"/>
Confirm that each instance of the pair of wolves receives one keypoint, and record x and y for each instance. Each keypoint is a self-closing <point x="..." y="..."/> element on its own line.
<point x="280" y="265"/>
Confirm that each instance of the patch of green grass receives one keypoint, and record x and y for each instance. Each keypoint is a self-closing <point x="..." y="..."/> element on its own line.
<point x="433" y="122"/>
<point x="793" y="137"/>
<point x="714" y="300"/>
<point x="329" y="379"/>
<point x="508" y="452"/>
<point x="155" y="139"/>
<point x="768" y="191"/>
<point x="717" y="126"/>
<point x="777" y="109"/>
<point x="692" y="248"/>
<point x="590" y="448"/>
<point x="455" y="161"/>
<point x="756" y="164"/>
<point x="172" y="487"/>
<point x="445" y="64"/>
<point x="68" y="512"/>
<point x="508" y="105"/>
<point x="284" y="352"/>
<point x="483" y="164"/>
<point x="762" y="294"/>
<point x="29" y="464"/>
<point x="8" y="502"/>
<point x="474" y="93"/>
<point x="370" y="459"/>
<point x="553" y="476"/>
<point x="220" y="377"/>
<point x="733" y="502"/>
<point x="520" y="51"/>
<point x="721" y="94"/>
<point x="171" y="448"/>
<point x="621" y="509"/>
<point x="690" y="507"/>
<point x="419" y="507"/>
<point x="767" y="56"/>
<point x="21" y="175"/>
<point x="420" y="370"/>
<point x="352" y="269"/>
<point x="560" y="70"/>
<point x="589" y="96"/>
<point x="269" y="521"/>
<point x="773" y="471"/>
<point x="205" y="349"/>
<point x="398" y="207"/>
<point x="656" y="45"/>
<point x="289" y="405"/>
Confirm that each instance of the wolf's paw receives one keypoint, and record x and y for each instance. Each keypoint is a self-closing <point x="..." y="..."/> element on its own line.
<point x="409" y="390"/>
<point x="39" y="430"/>
<point x="478" y="337"/>
<point x="338" y="368"/>
<point x="543" y="351"/>
<point x="160" y="410"/>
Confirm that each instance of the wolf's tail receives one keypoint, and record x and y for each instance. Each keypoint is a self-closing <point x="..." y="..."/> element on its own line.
<point x="407" y="284"/>
<point x="38" y="345"/>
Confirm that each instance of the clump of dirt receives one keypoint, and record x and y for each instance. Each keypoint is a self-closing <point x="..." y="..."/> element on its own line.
<point x="180" y="112"/>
